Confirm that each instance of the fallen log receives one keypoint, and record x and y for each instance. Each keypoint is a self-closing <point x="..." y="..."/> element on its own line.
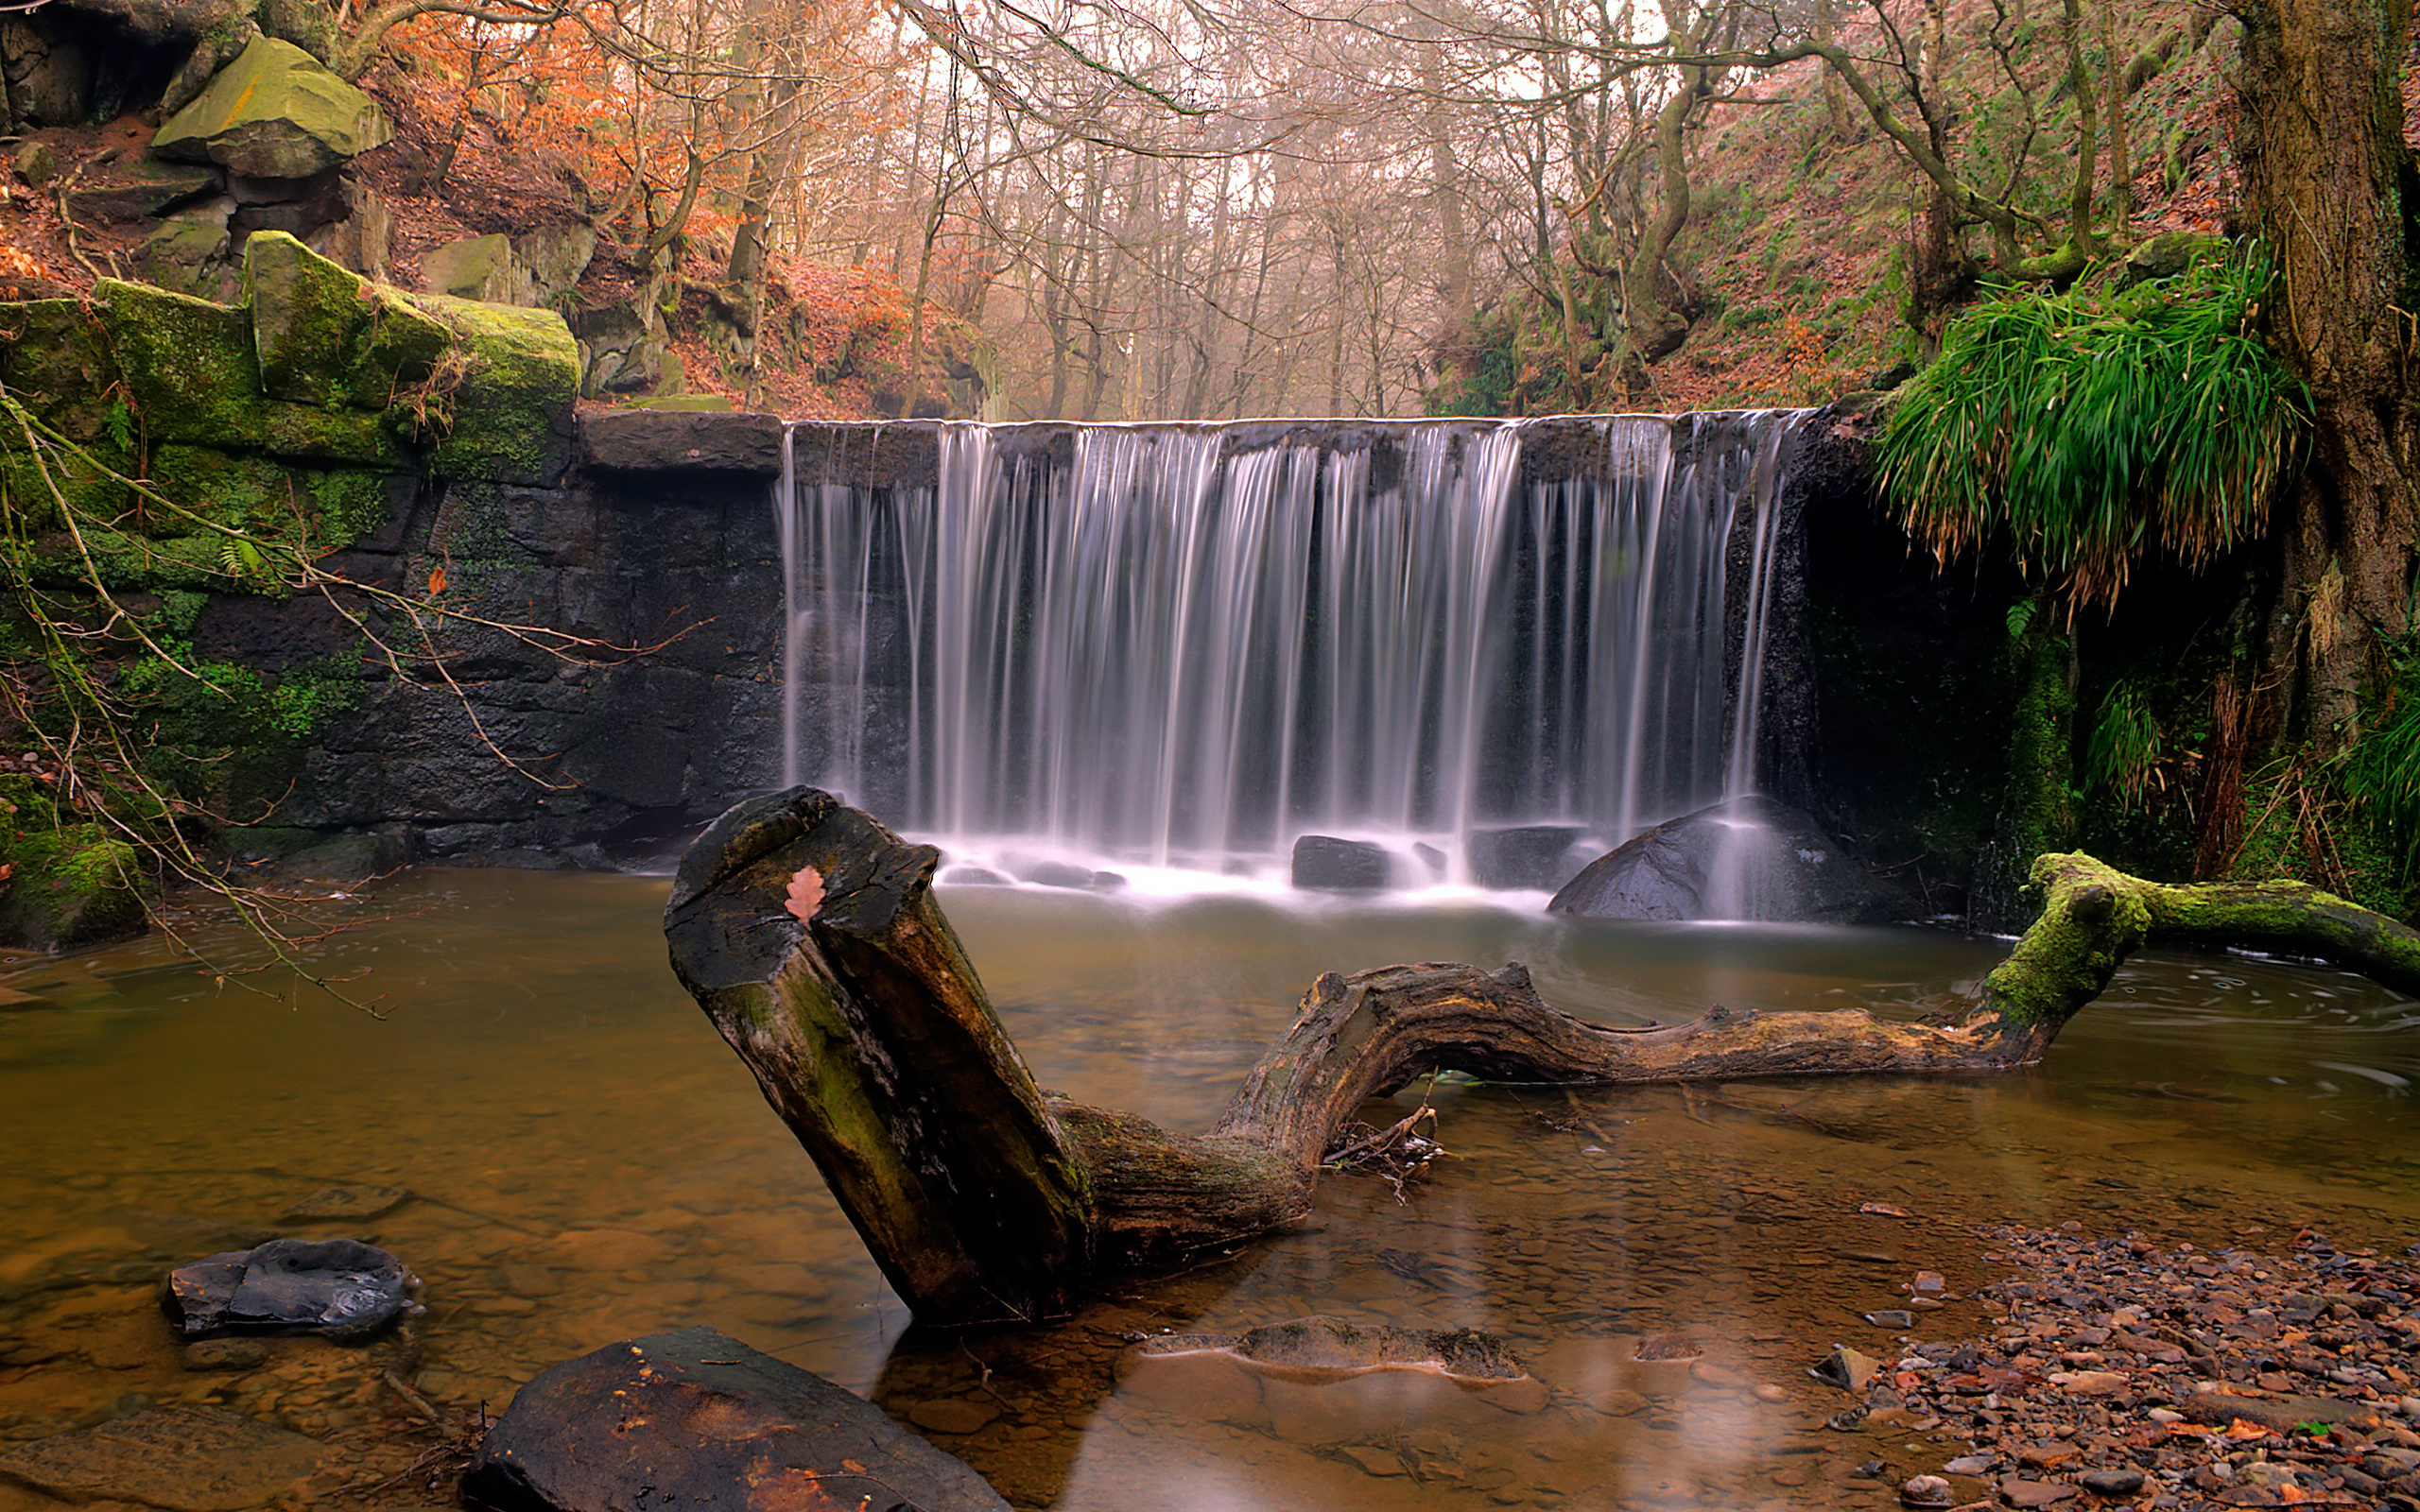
<point x="809" y="935"/>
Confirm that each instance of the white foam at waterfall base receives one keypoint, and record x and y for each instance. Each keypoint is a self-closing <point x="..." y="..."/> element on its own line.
<point x="1167" y="651"/>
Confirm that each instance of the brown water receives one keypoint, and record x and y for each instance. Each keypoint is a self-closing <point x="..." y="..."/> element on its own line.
<point x="587" y="1162"/>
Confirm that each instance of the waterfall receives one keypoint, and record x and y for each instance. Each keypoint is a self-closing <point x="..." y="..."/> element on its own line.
<point x="1184" y="645"/>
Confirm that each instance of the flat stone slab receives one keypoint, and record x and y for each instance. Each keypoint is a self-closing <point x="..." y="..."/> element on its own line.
<point x="676" y="441"/>
<point x="695" y="1418"/>
<point x="2278" y="1411"/>
<point x="184" y="1459"/>
<point x="1319" y="1347"/>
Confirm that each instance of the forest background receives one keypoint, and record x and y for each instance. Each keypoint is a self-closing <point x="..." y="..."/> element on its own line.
<point x="851" y="209"/>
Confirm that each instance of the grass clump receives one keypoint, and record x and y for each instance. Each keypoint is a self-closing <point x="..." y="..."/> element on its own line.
<point x="2081" y="428"/>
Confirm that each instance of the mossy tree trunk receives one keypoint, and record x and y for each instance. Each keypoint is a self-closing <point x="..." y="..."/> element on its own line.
<point x="2327" y="172"/>
<point x="809" y="935"/>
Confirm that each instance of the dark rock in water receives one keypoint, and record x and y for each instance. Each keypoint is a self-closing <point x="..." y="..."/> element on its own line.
<point x="694" y="1419"/>
<point x="338" y="1287"/>
<point x="1322" y="1346"/>
<point x="1535" y="855"/>
<point x="331" y="1204"/>
<point x="1430" y="856"/>
<point x="976" y="877"/>
<point x="188" y="1459"/>
<point x="226" y="1354"/>
<point x="1748" y="858"/>
<point x="1326" y="863"/>
<point x="1063" y="874"/>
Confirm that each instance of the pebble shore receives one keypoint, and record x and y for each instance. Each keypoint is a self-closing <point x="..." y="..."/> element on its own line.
<point x="2124" y="1374"/>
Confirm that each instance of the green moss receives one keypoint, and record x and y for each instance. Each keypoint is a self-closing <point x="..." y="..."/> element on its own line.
<point x="512" y="411"/>
<point x="350" y="505"/>
<point x="72" y="885"/>
<point x="189" y="363"/>
<point x="229" y="488"/>
<point x="2091" y="918"/>
<point x="56" y="358"/>
<point x="2037" y="814"/>
<point x="26" y="487"/>
<point x="398" y="347"/>
<point x="304" y="313"/>
<point x="340" y="505"/>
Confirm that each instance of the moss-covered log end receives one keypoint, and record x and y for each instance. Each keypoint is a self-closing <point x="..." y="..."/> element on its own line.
<point x="2092" y="916"/>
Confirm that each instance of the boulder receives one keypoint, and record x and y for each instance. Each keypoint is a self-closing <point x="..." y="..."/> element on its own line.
<point x="137" y="189"/>
<point x="512" y="418"/>
<point x="1324" y="863"/>
<point x="1067" y="874"/>
<point x="72" y="886"/>
<point x="555" y="256"/>
<point x="1535" y="855"/>
<point x="695" y="1418"/>
<point x="274" y="112"/>
<point x="189" y="254"/>
<point x="213" y="49"/>
<point x="325" y="336"/>
<point x="185" y="1459"/>
<point x="677" y="441"/>
<point x="535" y="268"/>
<point x="478" y="268"/>
<point x="1749" y="858"/>
<point x="46" y="67"/>
<point x="340" y="1288"/>
<point x="363" y="237"/>
<point x="306" y="312"/>
<point x="35" y="163"/>
<point x="2171" y="253"/>
<point x="621" y="351"/>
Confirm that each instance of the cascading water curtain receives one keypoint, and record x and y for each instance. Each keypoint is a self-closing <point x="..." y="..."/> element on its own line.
<point x="1185" y="644"/>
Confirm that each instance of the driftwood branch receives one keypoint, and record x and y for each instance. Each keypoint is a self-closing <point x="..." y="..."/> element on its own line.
<point x="809" y="935"/>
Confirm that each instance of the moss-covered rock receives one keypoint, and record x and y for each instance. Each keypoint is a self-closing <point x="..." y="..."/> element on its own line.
<point x="399" y="350"/>
<point x="189" y="363"/>
<point x="186" y="257"/>
<point x="511" y="418"/>
<point x="195" y="377"/>
<point x="478" y="267"/>
<point x="307" y="313"/>
<point x="320" y="367"/>
<point x="327" y="336"/>
<point x="56" y="358"/>
<point x="274" y="112"/>
<point x="70" y="885"/>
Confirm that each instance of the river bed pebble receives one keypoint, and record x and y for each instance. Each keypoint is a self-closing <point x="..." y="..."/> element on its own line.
<point x="2123" y="1373"/>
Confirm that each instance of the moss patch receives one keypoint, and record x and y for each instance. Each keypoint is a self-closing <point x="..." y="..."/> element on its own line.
<point x="68" y="885"/>
<point x="512" y="410"/>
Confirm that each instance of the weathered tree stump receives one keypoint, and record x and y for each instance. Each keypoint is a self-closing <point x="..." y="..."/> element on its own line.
<point x="810" y="935"/>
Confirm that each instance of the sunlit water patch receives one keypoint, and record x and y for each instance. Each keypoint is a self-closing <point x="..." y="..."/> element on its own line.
<point x="587" y="1161"/>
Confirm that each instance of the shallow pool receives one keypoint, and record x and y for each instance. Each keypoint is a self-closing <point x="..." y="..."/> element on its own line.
<point x="586" y="1160"/>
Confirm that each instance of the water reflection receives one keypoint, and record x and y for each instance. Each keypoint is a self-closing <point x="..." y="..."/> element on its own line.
<point x="587" y="1162"/>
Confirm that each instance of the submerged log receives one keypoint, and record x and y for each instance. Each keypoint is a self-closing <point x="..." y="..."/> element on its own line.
<point x="809" y="935"/>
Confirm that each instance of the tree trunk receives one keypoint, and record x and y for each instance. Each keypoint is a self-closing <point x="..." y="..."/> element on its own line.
<point x="809" y="935"/>
<point x="2121" y="167"/>
<point x="1657" y="326"/>
<point x="2325" y="171"/>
